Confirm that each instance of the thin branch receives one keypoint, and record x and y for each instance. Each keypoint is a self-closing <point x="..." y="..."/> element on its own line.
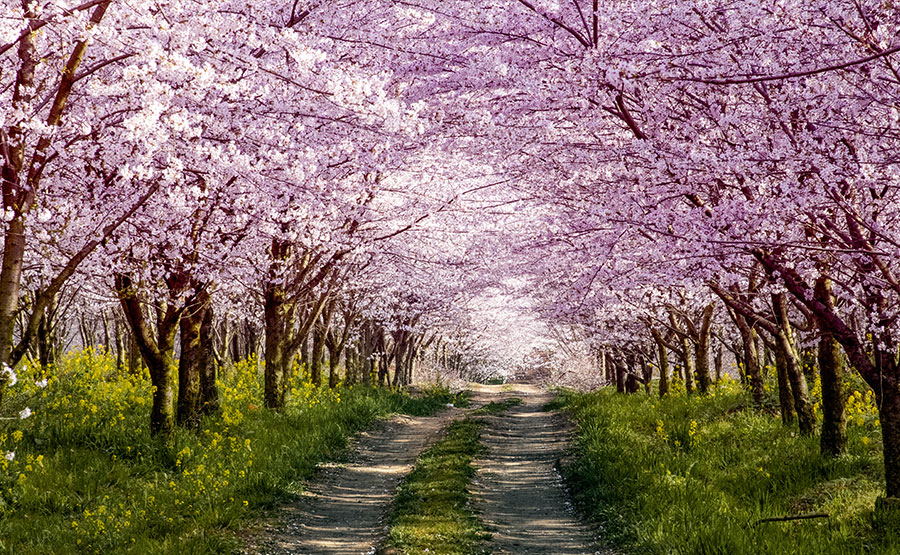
<point x="556" y="21"/>
<point x="783" y="76"/>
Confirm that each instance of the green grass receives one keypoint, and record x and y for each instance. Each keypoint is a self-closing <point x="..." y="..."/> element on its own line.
<point x="495" y="407"/>
<point x="87" y="476"/>
<point x="694" y="475"/>
<point x="431" y="513"/>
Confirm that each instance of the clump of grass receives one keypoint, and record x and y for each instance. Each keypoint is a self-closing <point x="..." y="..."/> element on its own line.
<point x="87" y="476"/>
<point x="693" y="475"/>
<point x="432" y="398"/>
<point x="430" y="512"/>
<point x="497" y="407"/>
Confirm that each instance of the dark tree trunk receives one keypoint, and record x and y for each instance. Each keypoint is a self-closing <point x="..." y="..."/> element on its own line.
<point x="209" y="391"/>
<point x="662" y="357"/>
<point x="889" y="413"/>
<point x="399" y="357"/>
<point x="833" y="442"/>
<point x="620" y="376"/>
<point x="274" y="382"/>
<point x="632" y="383"/>
<point x="806" y="417"/>
<point x="135" y="361"/>
<point x="316" y="356"/>
<point x="720" y="352"/>
<point x="188" y="410"/>
<point x="785" y="397"/>
<point x="750" y="341"/>
<point x="305" y="354"/>
<point x="46" y="337"/>
<point x="333" y="360"/>
<point x="351" y="366"/>
<point x="701" y="349"/>
<point x="646" y="374"/>
<point x="158" y="353"/>
<point x="688" y="364"/>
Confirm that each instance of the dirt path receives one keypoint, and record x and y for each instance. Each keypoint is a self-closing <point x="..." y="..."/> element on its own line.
<point x="342" y="511"/>
<point x="517" y="488"/>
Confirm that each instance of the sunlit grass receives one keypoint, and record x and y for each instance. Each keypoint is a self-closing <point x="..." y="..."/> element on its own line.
<point x="431" y="513"/>
<point x="87" y="477"/>
<point x="694" y="475"/>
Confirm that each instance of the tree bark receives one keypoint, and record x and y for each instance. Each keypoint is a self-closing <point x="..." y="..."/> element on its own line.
<point x="750" y="340"/>
<point x="157" y="352"/>
<point x="646" y="374"/>
<point x="274" y="312"/>
<point x="688" y="364"/>
<point x="188" y="410"/>
<point x="720" y="353"/>
<point x="316" y="356"/>
<point x="209" y="391"/>
<point x="785" y="397"/>
<point x="663" y="358"/>
<point x="701" y="349"/>
<point x="833" y="442"/>
<point x="620" y="375"/>
<point x="806" y="417"/>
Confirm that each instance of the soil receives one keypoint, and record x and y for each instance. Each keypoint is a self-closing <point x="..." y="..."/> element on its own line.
<point x="343" y="508"/>
<point x="517" y="491"/>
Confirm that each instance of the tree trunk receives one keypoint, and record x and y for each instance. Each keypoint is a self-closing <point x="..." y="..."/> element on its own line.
<point x="806" y="417"/>
<point x="351" y="366"/>
<point x="785" y="397"/>
<point x="620" y="376"/>
<point x="333" y="359"/>
<point x="46" y="337"/>
<point x="188" y="411"/>
<point x="411" y="356"/>
<point x="209" y="391"/>
<point x="663" y="357"/>
<point x="888" y="398"/>
<point x="121" y="351"/>
<point x="688" y="364"/>
<point x="701" y="349"/>
<point x="305" y="354"/>
<point x="632" y="384"/>
<point x="750" y="341"/>
<point x="316" y="356"/>
<point x="646" y="374"/>
<point x="399" y="356"/>
<point x="158" y="353"/>
<point x="833" y="442"/>
<point x="720" y="353"/>
<point x="274" y="382"/>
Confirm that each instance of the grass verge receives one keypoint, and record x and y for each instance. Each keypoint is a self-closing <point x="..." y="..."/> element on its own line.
<point x="431" y="513"/>
<point x="695" y="475"/>
<point x="87" y="477"/>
